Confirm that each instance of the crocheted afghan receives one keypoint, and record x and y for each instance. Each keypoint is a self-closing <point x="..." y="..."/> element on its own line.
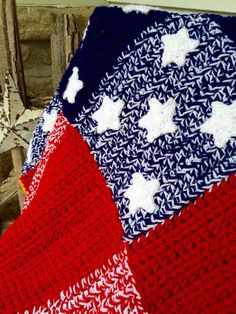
<point x="130" y="175"/>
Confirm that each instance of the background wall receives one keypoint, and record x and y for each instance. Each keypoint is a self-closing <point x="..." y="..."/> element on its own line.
<point x="35" y="26"/>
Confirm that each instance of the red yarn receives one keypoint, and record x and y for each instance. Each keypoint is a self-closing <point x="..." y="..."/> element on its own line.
<point x="109" y="289"/>
<point x="188" y="265"/>
<point x="26" y="179"/>
<point x="70" y="228"/>
<point x="68" y="242"/>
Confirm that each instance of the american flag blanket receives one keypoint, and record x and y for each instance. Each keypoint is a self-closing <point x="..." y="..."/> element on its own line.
<point x="130" y="174"/>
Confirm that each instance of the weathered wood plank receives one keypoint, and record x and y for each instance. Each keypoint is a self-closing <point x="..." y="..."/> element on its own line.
<point x="10" y="53"/>
<point x="61" y="3"/>
<point x="11" y="61"/>
<point x="8" y="189"/>
<point x="64" y="42"/>
<point x="18" y="156"/>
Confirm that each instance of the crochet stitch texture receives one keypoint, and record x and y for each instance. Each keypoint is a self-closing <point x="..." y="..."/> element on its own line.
<point x="130" y="175"/>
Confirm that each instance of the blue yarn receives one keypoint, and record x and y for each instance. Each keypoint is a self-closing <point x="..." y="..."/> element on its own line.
<point x="109" y="32"/>
<point x="187" y="162"/>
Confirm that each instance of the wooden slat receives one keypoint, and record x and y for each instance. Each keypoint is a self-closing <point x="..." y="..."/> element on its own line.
<point x="8" y="190"/>
<point x="10" y="53"/>
<point x="18" y="157"/>
<point x="64" y="42"/>
<point x="61" y="3"/>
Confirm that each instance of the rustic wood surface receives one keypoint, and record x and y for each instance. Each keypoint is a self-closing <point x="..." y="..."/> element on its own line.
<point x="64" y="42"/>
<point x="10" y="53"/>
<point x="8" y="189"/>
<point x="10" y="60"/>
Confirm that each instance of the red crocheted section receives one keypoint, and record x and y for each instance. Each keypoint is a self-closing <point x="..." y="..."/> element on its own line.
<point x="69" y="229"/>
<point x="26" y="179"/>
<point x="188" y="265"/>
<point x="109" y="289"/>
<point x="31" y="178"/>
<point x="54" y="139"/>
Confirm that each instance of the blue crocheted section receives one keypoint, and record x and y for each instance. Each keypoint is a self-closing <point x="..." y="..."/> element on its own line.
<point x="39" y="137"/>
<point x="186" y="162"/>
<point x="109" y="33"/>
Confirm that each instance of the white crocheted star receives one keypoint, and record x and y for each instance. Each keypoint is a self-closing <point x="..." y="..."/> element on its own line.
<point x="159" y="119"/>
<point x="107" y="116"/>
<point x="222" y="123"/>
<point x="177" y="46"/>
<point x="49" y="120"/>
<point x="141" y="193"/>
<point x="29" y="152"/>
<point x="74" y="85"/>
